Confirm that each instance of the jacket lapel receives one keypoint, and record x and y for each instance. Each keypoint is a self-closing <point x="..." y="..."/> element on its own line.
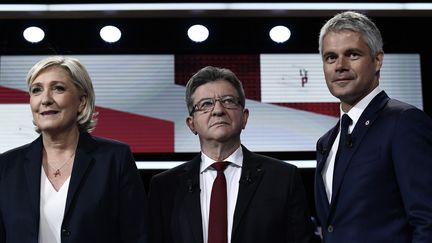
<point x="363" y="124"/>
<point x="83" y="159"/>
<point x="189" y="196"/>
<point x="251" y="176"/>
<point x="324" y="146"/>
<point x="33" y="166"/>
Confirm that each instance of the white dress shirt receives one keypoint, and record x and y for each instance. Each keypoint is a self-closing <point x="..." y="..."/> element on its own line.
<point x="52" y="207"/>
<point x="354" y="113"/>
<point x="208" y="175"/>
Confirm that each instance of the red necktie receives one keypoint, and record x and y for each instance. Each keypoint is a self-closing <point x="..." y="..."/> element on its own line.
<point x="218" y="222"/>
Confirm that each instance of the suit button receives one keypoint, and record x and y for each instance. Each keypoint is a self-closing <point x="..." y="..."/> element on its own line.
<point x="330" y="228"/>
<point x="65" y="232"/>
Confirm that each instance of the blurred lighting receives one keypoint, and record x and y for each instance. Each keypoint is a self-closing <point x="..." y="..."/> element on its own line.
<point x="215" y="6"/>
<point x="110" y="34"/>
<point x="198" y="33"/>
<point x="280" y="34"/>
<point x="34" y="34"/>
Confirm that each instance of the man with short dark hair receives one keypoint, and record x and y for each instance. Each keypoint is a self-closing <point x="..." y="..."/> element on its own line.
<point x="226" y="193"/>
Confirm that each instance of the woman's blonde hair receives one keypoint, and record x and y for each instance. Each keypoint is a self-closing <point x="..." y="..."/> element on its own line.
<point x="86" y="119"/>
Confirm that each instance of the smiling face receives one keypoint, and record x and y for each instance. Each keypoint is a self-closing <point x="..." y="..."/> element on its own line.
<point x="55" y="101"/>
<point x="350" y="71"/>
<point x="220" y="125"/>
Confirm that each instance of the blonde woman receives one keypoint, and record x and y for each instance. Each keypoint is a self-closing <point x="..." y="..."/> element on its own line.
<point x="68" y="186"/>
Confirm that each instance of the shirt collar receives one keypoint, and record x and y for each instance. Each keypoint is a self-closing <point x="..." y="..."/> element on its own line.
<point x="236" y="158"/>
<point x="355" y="112"/>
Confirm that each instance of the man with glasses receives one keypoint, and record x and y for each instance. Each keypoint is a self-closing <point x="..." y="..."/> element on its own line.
<point x="226" y="193"/>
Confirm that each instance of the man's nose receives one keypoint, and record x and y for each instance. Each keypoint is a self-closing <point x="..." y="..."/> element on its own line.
<point x="218" y="108"/>
<point x="341" y="64"/>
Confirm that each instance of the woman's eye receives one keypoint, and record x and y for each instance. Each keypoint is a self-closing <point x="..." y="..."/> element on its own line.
<point x="59" y="88"/>
<point x="35" y="90"/>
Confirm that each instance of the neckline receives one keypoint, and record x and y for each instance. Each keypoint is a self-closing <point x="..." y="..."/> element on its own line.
<point x="47" y="180"/>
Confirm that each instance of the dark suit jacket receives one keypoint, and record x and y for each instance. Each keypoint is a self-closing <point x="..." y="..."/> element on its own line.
<point x="382" y="189"/>
<point x="271" y="204"/>
<point x="106" y="201"/>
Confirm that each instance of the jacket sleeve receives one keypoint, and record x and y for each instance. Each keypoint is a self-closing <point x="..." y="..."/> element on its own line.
<point x="133" y="203"/>
<point x="299" y="227"/>
<point x="412" y="157"/>
<point x="2" y="230"/>
<point x="156" y="228"/>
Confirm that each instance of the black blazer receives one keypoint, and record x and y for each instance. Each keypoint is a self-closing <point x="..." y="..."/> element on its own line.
<point x="106" y="201"/>
<point x="382" y="190"/>
<point x="271" y="204"/>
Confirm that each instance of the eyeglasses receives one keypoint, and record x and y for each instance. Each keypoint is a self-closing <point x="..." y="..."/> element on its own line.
<point x="207" y="104"/>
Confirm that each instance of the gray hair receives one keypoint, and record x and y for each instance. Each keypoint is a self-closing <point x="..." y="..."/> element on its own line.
<point x="211" y="74"/>
<point x="86" y="120"/>
<point x="355" y="22"/>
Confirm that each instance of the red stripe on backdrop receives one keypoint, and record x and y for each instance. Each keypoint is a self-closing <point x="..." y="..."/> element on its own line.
<point x="13" y="96"/>
<point x="325" y="108"/>
<point x="246" y="67"/>
<point x="143" y="134"/>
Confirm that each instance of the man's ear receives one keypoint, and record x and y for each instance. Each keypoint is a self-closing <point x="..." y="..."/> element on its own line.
<point x="379" y="61"/>
<point x="245" y="117"/>
<point x="190" y="124"/>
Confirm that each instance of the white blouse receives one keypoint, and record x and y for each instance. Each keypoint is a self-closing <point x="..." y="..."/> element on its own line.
<point x="52" y="207"/>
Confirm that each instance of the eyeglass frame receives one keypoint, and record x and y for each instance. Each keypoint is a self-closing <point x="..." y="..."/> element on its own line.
<point x="236" y="103"/>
